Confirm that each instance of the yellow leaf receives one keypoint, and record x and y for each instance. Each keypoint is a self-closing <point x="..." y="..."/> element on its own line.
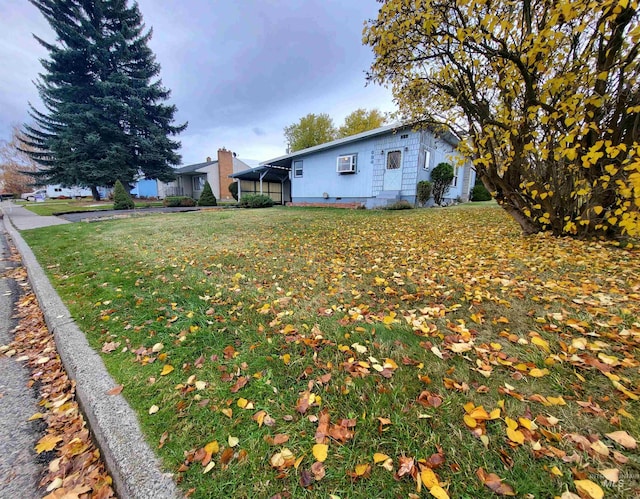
<point x="556" y="471"/>
<point x="511" y="423"/>
<point x="37" y="415"/>
<point x="168" y="368"/>
<point x="469" y="421"/>
<point x="429" y="478"/>
<point x="286" y="358"/>
<point x="153" y="409"/>
<point x="438" y="492"/>
<point x="212" y="447"/>
<point x="320" y="452"/>
<point x="242" y="403"/>
<point x="233" y="441"/>
<point x="379" y="457"/>
<point x="515" y="435"/>
<point x="361" y="469"/>
<point x="556" y="400"/>
<point x="47" y="443"/>
<point x="209" y="467"/>
<point x="227" y="411"/>
<point x="598" y="209"/>
<point x="589" y="489"/>
<point x="544" y="344"/>
<point x="538" y="373"/>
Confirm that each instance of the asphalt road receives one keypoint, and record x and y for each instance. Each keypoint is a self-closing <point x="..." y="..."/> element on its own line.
<point x="20" y="471"/>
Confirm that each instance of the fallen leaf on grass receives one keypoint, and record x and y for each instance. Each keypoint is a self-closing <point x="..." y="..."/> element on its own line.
<point x="233" y="441"/>
<point x="623" y="438"/>
<point x="588" y="489"/>
<point x="320" y="452"/>
<point x="153" y="409"/>
<point x="495" y="483"/>
<point x="168" y="368"/>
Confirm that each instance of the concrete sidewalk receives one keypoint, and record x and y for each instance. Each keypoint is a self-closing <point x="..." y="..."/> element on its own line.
<point x="24" y="219"/>
<point x="132" y="464"/>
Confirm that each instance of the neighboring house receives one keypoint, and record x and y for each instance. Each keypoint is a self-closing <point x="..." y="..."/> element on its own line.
<point x="372" y="169"/>
<point x="190" y="179"/>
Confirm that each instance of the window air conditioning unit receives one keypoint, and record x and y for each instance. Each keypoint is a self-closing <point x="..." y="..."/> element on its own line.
<point x="347" y="164"/>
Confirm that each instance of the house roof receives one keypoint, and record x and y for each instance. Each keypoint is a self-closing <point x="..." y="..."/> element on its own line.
<point x="237" y="164"/>
<point x="268" y="173"/>
<point x="395" y="127"/>
<point x="195" y="167"/>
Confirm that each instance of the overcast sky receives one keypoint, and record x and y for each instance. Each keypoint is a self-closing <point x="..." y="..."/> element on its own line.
<point x="239" y="70"/>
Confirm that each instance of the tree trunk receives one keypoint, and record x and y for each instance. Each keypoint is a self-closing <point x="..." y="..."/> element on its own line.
<point x="95" y="193"/>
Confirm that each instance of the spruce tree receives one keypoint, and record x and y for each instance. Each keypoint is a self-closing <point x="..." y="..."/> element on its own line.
<point x="121" y="198"/>
<point x="104" y="116"/>
<point x="207" y="197"/>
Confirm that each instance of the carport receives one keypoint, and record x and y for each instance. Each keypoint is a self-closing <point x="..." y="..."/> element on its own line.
<point x="270" y="180"/>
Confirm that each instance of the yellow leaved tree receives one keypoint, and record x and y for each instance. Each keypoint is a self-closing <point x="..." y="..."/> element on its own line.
<point x="544" y="95"/>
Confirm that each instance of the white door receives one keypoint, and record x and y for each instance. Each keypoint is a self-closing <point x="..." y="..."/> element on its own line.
<point x="393" y="171"/>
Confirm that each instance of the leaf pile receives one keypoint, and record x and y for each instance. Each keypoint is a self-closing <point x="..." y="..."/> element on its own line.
<point x="75" y="468"/>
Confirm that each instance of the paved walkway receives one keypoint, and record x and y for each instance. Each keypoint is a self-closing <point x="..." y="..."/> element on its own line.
<point x="24" y="219"/>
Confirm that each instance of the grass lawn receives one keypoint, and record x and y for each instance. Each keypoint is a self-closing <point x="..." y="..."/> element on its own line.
<point x="54" y="206"/>
<point x="322" y="353"/>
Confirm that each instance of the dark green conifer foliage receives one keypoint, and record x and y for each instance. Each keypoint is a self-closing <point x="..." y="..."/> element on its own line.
<point x="104" y="117"/>
<point x="207" y="198"/>
<point x="121" y="198"/>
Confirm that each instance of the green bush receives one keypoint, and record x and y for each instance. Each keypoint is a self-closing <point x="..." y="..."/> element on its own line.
<point x="176" y="201"/>
<point x="424" y="191"/>
<point x="255" y="201"/>
<point x="121" y="198"/>
<point x="480" y="192"/>
<point x="399" y="205"/>
<point x="233" y="189"/>
<point x="207" y="198"/>
<point x="442" y="176"/>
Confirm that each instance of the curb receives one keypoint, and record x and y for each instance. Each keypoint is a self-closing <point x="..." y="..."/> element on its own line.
<point x="135" y="469"/>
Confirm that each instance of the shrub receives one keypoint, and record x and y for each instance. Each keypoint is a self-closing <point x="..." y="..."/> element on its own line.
<point x="121" y="198"/>
<point x="255" y="201"/>
<point x="399" y="205"/>
<point x="207" y="198"/>
<point x="480" y="192"/>
<point x="233" y="189"/>
<point x="424" y="191"/>
<point x="442" y="175"/>
<point x="175" y="201"/>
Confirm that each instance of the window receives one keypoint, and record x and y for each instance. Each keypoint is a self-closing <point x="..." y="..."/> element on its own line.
<point x="347" y="163"/>
<point x="297" y="168"/>
<point x="404" y="136"/>
<point x="393" y="160"/>
<point x="427" y="159"/>
<point x="198" y="183"/>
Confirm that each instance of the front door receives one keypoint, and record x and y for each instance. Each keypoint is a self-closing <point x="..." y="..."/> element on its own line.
<point x="393" y="171"/>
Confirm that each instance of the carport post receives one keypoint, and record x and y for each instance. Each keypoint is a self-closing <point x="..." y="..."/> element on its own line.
<point x="261" y="177"/>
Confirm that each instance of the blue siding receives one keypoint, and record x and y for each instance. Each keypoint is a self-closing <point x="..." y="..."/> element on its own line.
<point x="320" y="176"/>
<point x="321" y="183"/>
<point x="146" y="188"/>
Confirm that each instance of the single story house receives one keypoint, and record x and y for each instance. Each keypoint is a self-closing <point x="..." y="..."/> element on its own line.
<point x="371" y="169"/>
<point x="190" y="179"/>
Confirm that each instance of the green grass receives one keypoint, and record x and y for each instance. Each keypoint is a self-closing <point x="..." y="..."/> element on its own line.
<point x="56" y="206"/>
<point x="287" y="296"/>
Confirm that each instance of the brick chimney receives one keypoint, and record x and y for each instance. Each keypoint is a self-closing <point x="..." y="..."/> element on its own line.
<point x="225" y="168"/>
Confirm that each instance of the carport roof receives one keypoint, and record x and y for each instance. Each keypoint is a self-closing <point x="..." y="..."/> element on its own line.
<point x="268" y="173"/>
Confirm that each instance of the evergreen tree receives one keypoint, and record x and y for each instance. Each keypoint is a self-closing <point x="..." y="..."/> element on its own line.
<point x="121" y="198"/>
<point x="207" y="198"/>
<point x="104" y="115"/>
<point x="441" y="176"/>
